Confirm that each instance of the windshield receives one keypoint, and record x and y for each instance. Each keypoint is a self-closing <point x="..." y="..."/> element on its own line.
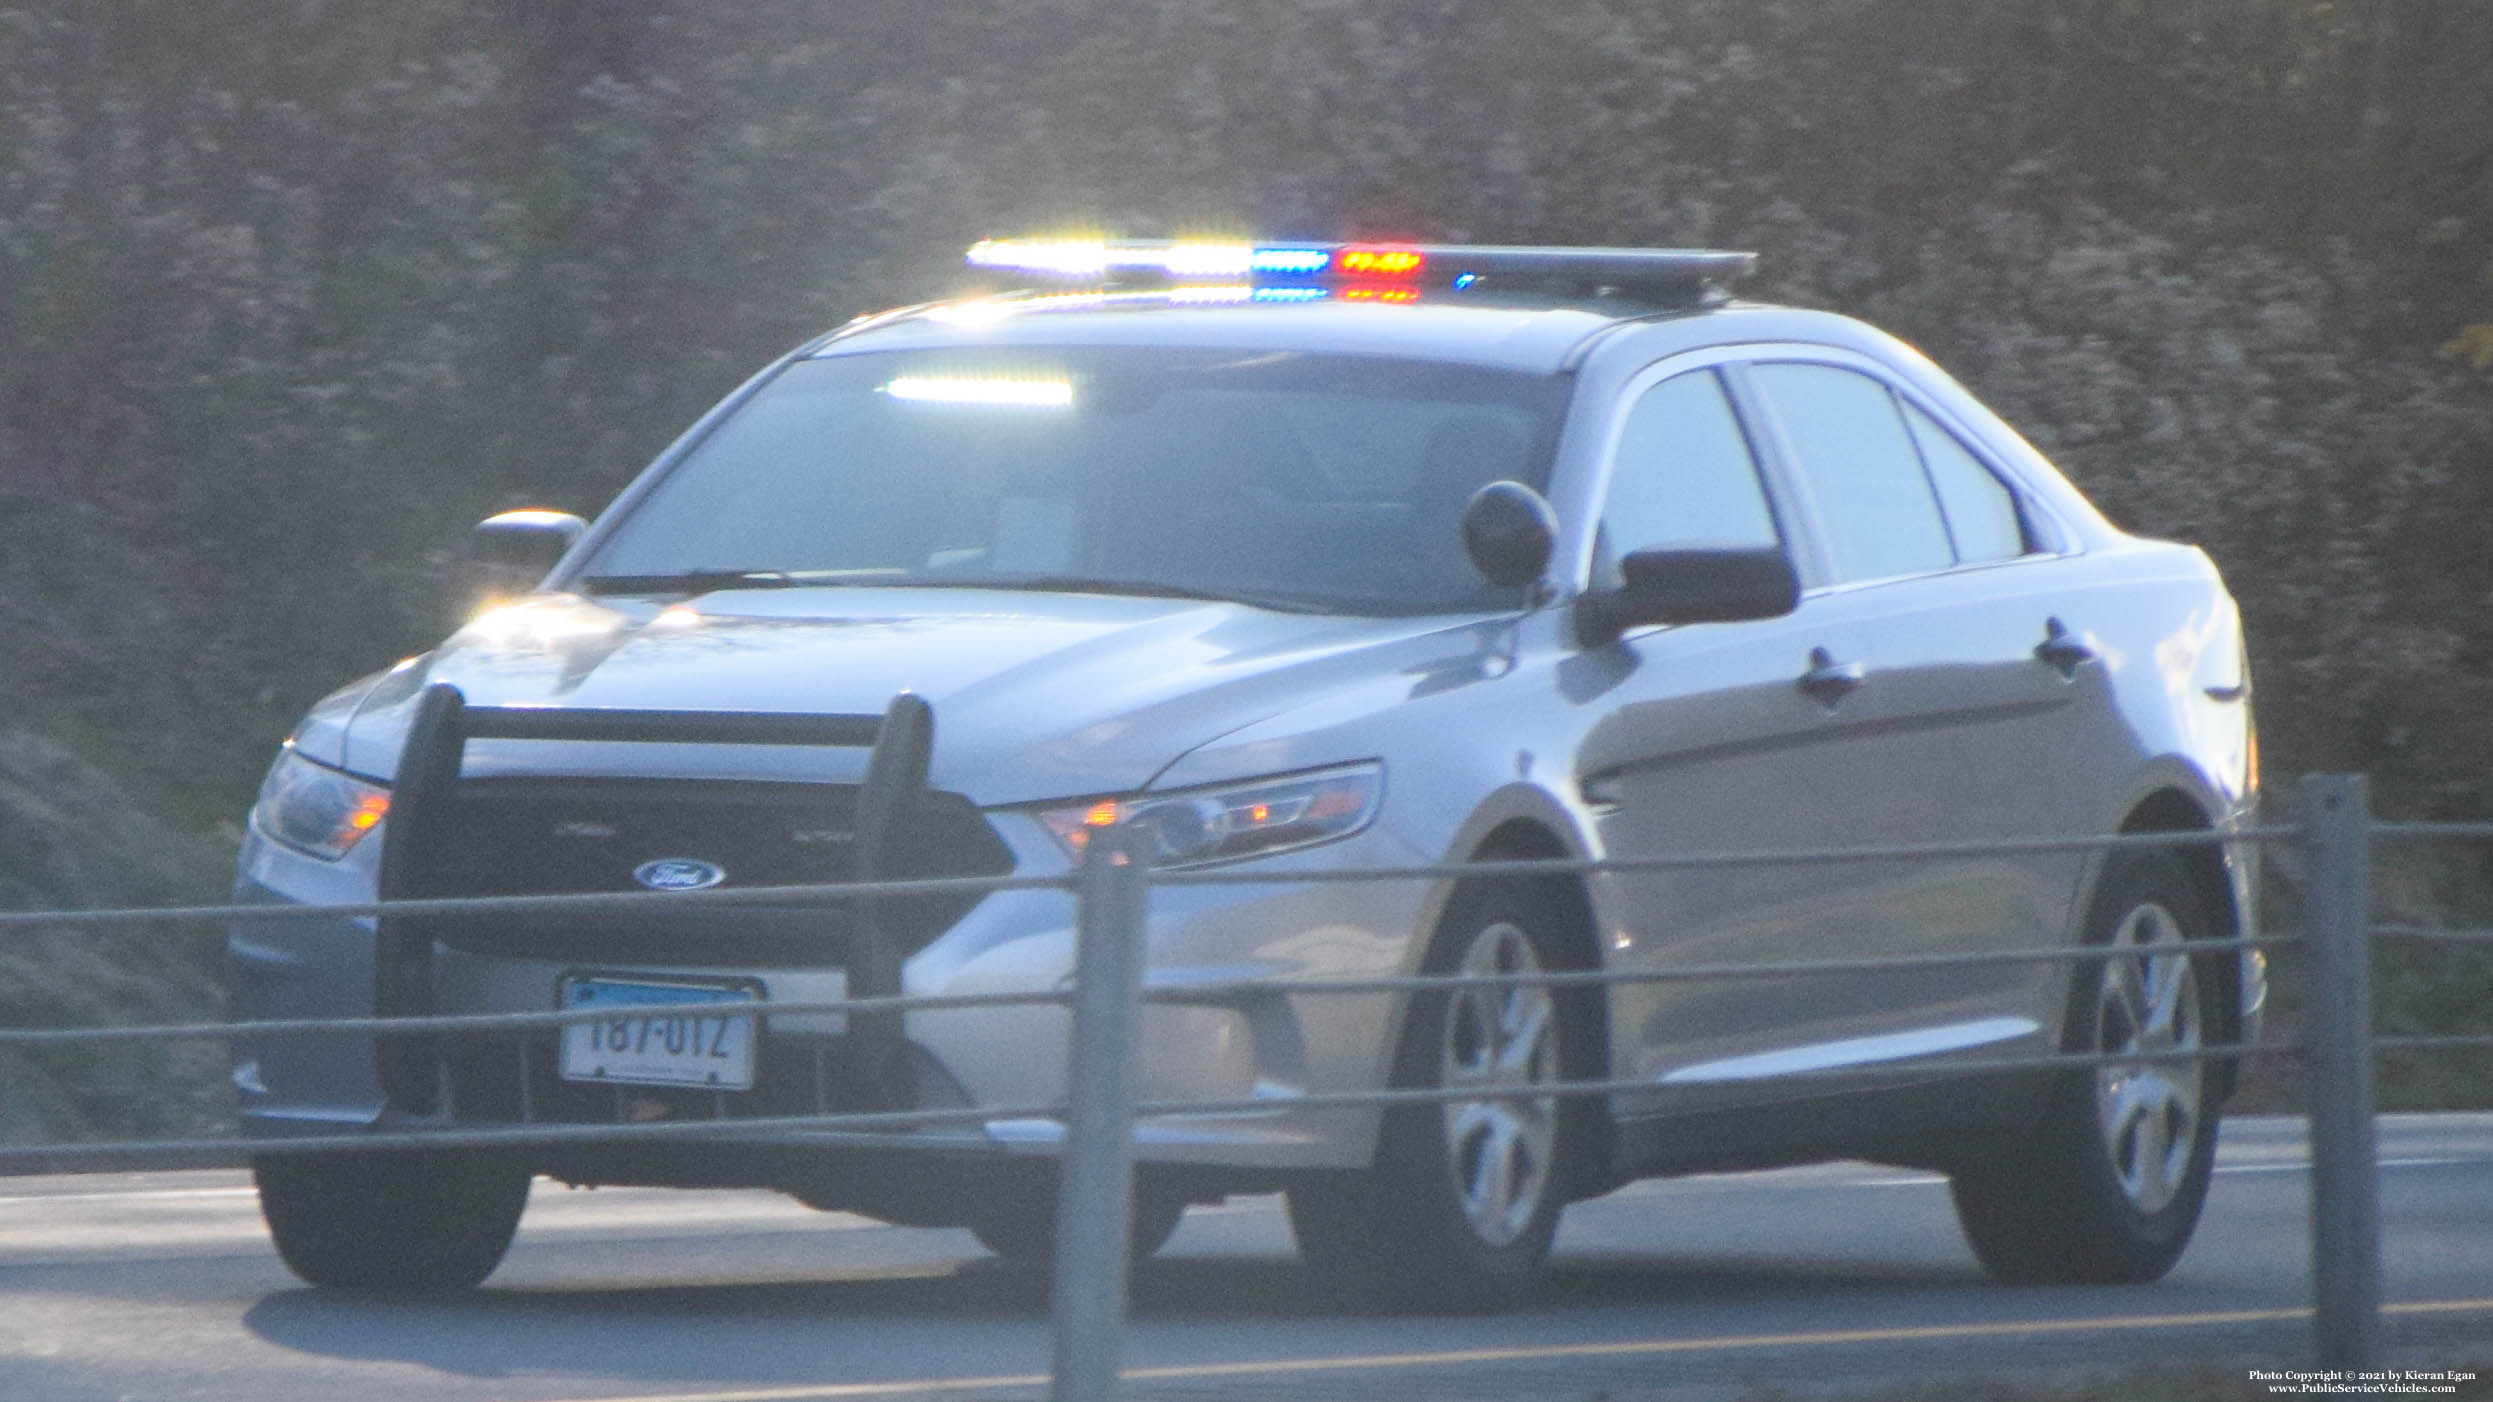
<point x="1278" y="478"/>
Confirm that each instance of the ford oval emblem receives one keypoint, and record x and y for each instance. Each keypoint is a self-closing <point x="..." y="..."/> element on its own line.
<point x="678" y="874"/>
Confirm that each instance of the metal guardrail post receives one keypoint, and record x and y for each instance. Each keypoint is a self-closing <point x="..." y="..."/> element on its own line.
<point x="1095" y="1183"/>
<point x="2345" y="1206"/>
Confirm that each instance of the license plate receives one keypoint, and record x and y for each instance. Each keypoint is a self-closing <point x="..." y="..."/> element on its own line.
<point x="634" y="1047"/>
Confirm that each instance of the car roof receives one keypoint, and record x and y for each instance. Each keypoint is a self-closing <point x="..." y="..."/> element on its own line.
<point x="1512" y="332"/>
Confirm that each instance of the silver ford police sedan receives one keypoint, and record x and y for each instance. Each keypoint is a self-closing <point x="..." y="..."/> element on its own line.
<point x="1307" y="558"/>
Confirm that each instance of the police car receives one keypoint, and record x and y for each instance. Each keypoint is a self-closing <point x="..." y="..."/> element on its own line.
<point x="1309" y="558"/>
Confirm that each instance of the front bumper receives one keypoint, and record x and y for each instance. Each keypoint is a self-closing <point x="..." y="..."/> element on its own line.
<point x="1269" y="1047"/>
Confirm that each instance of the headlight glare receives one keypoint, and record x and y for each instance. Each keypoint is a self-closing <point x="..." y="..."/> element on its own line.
<point x="315" y="809"/>
<point x="1241" y="820"/>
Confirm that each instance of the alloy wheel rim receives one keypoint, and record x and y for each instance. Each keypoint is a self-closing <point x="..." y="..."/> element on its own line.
<point x="1503" y="1043"/>
<point x="2147" y="1005"/>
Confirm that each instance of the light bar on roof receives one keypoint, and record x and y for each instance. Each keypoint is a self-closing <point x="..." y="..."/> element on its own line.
<point x="1276" y="264"/>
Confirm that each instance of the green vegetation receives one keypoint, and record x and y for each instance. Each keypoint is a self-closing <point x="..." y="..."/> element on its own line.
<point x="292" y="292"/>
<point x="71" y="835"/>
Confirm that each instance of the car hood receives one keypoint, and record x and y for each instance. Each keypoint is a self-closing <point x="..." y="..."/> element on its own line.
<point x="1035" y="696"/>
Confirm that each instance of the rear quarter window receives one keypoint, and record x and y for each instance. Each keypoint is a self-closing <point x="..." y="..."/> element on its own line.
<point x="1983" y="516"/>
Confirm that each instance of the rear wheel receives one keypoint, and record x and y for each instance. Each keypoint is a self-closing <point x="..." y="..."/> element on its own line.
<point x="391" y="1224"/>
<point x="1459" y="1208"/>
<point x="2110" y="1189"/>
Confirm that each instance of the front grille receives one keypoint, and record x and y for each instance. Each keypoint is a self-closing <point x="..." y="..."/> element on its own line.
<point x="495" y="837"/>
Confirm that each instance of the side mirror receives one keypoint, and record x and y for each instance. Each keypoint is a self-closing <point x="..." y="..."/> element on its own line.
<point x="508" y="553"/>
<point x="1689" y="586"/>
<point x="1508" y="531"/>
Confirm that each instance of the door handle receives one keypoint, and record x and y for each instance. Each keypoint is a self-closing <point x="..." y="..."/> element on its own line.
<point x="1828" y="681"/>
<point x="2061" y="650"/>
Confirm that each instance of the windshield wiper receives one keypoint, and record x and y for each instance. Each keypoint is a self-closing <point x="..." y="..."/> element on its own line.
<point x="691" y="581"/>
<point x="703" y="581"/>
<point x="1139" y="588"/>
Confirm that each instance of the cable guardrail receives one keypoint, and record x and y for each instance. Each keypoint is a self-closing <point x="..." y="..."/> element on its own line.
<point x="2432" y="1041"/>
<point x="1210" y="990"/>
<point x="2335" y="839"/>
<point x="138" y="1152"/>
<point x="815" y="893"/>
<point x="565" y="903"/>
<point x="2463" y="934"/>
<point x="2432" y="832"/>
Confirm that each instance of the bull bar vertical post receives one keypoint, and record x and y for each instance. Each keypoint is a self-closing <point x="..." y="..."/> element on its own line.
<point x="415" y="1071"/>
<point x="895" y="785"/>
<point x="2345" y="1206"/>
<point x="1095" y="1178"/>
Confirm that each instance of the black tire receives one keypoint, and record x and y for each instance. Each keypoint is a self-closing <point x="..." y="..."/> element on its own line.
<point x="1456" y="1213"/>
<point x="391" y="1224"/>
<point x="1022" y="1227"/>
<point x="2108" y="1190"/>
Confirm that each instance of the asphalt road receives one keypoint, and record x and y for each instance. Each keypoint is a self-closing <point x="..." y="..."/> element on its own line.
<point x="1821" y="1281"/>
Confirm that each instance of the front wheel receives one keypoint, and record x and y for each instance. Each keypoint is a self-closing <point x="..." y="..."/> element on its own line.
<point x="391" y="1223"/>
<point x="1458" y="1210"/>
<point x="2111" y="1187"/>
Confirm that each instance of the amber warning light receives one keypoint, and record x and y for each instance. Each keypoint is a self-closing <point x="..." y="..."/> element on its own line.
<point x="1380" y="262"/>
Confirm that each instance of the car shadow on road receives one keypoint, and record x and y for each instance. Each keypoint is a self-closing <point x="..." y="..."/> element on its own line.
<point x="981" y="1317"/>
<point x="1586" y="1280"/>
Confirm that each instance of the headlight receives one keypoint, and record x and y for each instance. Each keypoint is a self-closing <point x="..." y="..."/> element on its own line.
<point x="313" y="808"/>
<point x="1239" y="820"/>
